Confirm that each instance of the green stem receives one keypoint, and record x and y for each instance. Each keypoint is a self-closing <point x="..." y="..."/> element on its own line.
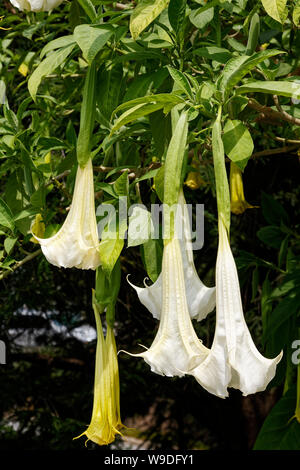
<point x="222" y="186"/>
<point x="87" y="117"/>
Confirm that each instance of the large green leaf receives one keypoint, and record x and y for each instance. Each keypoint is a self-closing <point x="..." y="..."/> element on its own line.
<point x="238" y="143"/>
<point x="111" y="245"/>
<point x="91" y="39"/>
<point x="89" y="8"/>
<point x="176" y="13"/>
<point x="143" y="106"/>
<point x="144" y="13"/>
<point x="238" y="67"/>
<point x="219" y="54"/>
<point x="6" y="217"/>
<point x="276" y="9"/>
<point x="279" y="432"/>
<point x="201" y="17"/>
<point x="290" y="89"/>
<point x="58" y="43"/>
<point x="181" y="81"/>
<point x="48" y="66"/>
<point x="152" y="258"/>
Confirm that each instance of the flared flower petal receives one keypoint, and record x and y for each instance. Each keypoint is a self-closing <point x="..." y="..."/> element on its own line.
<point x="233" y="360"/>
<point x="36" y="5"/>
<point x="201" y="299"/>
<point x="176" y="348"/>
<point x="76" y="243"/>
<point x="106" y="418"/>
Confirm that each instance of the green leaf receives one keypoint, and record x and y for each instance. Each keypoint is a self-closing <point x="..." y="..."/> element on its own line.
<point x="89" y="8"/>
<point x="121" y="185"/>
<point x="281" y="88"/>
<point x="152" y="258"/>
<point x="201" y="17"/>
<point x="176" y="13"/>
<point x="6" y="217"/>
<point x="91" y="39"/>
<point x="181" y="81"/>
<point x="108" y="89"/>
<point x="140" y="226"/>
<point x="253" y="36"/>
<point x="111" y="246"/>
<point x="273" y="211"/>
<point x="144" y="13"/>
<point x="134" y="113"/>
<point x="46" y="67"/>
<point x="276" y="9"/>
<point x="174" y="161"/>
<point x="162" y="98"/>
<point x="287" y="307"/>
<point x="58" y="43"/>
<point x="271" y="236"/>
<point x="238" y="67"/>
<point x="296" y="13"/>
<point x="279" y="432"/>
<point x="238" y="143"/>
<point x="107" y="287"/>
<point x="9" y="243"/>
<point x="219" y="54"/>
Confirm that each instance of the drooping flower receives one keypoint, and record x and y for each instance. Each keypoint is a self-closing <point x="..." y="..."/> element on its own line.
<point x="176" y="348"/>
<point x="36" y="5"/>
<point x="233" y="360"/>
<point x="200" y="299"/>
<point x="76" y="243"/>
<point x="106" y="418"/>
<point x="194" y="179"/>
<point x="238" y="202"/>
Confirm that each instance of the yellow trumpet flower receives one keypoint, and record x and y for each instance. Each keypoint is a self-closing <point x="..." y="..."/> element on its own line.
<point x="106" y="418"/>
<point x="194" y="180"/>
<point x="238" y="201"/>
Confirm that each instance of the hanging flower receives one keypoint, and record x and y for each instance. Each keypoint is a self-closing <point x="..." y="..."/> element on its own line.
<point x="36" y="5"/>
<point x="106" y="418"/>
<point x="194" y="180"/>
<point x="76" y="243"/>
<point x="233" y="360"/>
<point x="176" y="348"/>
<point x="237" y="197"/>
<point x="200" y="299"/>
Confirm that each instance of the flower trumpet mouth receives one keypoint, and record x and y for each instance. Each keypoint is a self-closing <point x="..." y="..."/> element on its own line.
<point x="76" y="243"/>
<point x="176" y="349"/>
<point x="233" y="360"/>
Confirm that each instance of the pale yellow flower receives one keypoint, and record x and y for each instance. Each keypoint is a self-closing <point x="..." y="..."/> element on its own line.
<point x="237" y="197"/>
<point x="106" y="417"/>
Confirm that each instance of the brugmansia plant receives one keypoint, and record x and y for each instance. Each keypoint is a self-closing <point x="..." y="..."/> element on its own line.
<point x="164" y="94"/>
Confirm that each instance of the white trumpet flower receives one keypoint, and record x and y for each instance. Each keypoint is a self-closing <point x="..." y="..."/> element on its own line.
<point x="233" y="360"/>
<point x="201" y="299"/>
<point x="176" y="348"/>
<point x="36" y="5"/>
<point x="76" y="243"/>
